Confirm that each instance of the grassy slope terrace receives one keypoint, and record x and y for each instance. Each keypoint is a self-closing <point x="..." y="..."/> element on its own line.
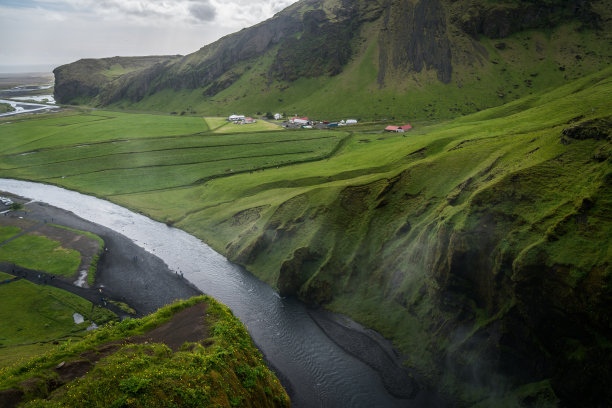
<point x="152" y="362"/>
<point x="482" y="240"/>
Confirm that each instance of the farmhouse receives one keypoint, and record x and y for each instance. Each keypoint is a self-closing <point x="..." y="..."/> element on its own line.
<point x="248" y="120"/>
<point x="235" y="118"/>
<point x="299" y="121"/>
<point x="398" y="129"/>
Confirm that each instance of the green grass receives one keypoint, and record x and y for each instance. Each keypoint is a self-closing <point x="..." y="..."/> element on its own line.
<point x="229" y="369"/>
<point x="144" y="161"/>
<point x="93" y="267"/>
<point x="259" y="126"/>
<point x="6" y="107"/>
<point x="528" y="65"/>
<point x="8" y="232"/>
<point x="41" y="253"/>
<point x="33" y="316"/>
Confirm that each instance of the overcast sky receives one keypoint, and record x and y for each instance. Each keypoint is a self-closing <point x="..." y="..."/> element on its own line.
<point x="55" y="32"/>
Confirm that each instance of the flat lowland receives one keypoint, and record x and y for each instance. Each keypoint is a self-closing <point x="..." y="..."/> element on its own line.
<point x="108" y="153"/>
<point x="49" y="248"/>
<point x="35" y="317"/>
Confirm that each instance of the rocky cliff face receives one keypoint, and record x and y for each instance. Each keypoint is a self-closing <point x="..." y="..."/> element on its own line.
<point x="488" y="261"/>
<point x="87" y="78"/>
<point x="315" y="38"/>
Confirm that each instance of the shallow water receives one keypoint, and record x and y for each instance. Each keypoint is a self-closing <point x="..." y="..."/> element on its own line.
<point x="23" y="93"/>
<point x="320" y="374"/>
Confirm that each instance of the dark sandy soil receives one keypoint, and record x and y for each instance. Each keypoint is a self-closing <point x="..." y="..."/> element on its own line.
<point x="126" y="272"/>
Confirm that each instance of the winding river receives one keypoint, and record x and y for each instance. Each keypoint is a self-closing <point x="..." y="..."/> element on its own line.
<point x="317" y="371"/>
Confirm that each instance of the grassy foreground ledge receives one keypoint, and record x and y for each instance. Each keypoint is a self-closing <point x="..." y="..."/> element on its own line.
<point x="146" y="363"/>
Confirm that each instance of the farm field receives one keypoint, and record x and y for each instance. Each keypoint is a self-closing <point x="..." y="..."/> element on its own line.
<point x="106" y="153"/>
<point x="33" y="316"/>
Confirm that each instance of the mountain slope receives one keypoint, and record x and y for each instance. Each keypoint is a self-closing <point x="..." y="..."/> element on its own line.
<point x="480" y="246"/>
<point x="378" y="59"/>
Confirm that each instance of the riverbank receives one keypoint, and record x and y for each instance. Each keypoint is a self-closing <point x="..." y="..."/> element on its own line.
<point x="317" y="369"/>
<point x="126" y="272"/>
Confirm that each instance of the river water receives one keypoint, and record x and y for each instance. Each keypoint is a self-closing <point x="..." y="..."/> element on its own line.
<point x="21" y="97"/>
<point x="317" y="371"/>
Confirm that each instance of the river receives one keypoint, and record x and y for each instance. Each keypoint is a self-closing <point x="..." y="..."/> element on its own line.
<point x="317" y="372"/>
<point x="24" y="99"/>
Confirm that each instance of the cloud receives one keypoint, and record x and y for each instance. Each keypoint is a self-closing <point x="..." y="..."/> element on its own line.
<point x="203" y="11"/>
<point x="61" y="31"/>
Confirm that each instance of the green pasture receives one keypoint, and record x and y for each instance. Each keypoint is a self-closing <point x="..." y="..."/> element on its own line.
<point x="7" y="232"/>
<point x="259" y="126"/>
<point x="149" y="154"/>
<point x="41" y="253"/>
<point x="33" y="316"/>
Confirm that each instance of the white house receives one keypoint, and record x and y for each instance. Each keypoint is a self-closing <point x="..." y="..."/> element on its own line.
<point x="299" y="121"/>
<point x="234" y="118"/>
<point x="351" y="121"/>
<point x="278" y="116"/>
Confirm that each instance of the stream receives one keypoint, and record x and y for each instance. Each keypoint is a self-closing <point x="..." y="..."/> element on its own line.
<point x="315" y="371"/>
<point x="25" y="100"/>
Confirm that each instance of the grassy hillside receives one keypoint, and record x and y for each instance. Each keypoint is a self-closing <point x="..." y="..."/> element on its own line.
<point x="377" y="60"/>
<point x="151" y="362"/>
<point x="478" y="242"/>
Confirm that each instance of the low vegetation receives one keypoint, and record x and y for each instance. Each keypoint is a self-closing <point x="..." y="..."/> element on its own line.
<point x="122" y="368"/>
<point x="479" y="241"/>
<point x="35" y="317"/>
<point x="6" y="107"/>
<point x="41" y="253"/>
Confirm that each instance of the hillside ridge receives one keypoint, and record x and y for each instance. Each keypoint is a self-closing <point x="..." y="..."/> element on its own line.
<point x="388" y="49"/>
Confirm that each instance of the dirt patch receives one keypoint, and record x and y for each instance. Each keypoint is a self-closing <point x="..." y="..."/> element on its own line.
<point x="72" y="369"/>
<point x="187" y="326"/>
<point x="16" y="222"/>
<point x="11" y="397"/>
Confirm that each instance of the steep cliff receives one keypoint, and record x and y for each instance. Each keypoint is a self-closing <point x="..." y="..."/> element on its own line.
<point x="374" y="59"/>
<point x="481" y="247"/>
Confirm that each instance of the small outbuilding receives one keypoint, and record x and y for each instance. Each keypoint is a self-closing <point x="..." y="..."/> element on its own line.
<point x="278" y="116"/>
<point x="406" y="127"/>
<point x="351" y="121"/>
<point x="391" y="128"/>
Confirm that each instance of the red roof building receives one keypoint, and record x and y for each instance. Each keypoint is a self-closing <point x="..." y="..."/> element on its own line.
<point x="392" y="128"/>
<point x="406" y="127"/>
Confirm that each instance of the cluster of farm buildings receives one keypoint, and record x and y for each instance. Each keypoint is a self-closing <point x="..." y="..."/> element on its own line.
<point x="305" y="123"/>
